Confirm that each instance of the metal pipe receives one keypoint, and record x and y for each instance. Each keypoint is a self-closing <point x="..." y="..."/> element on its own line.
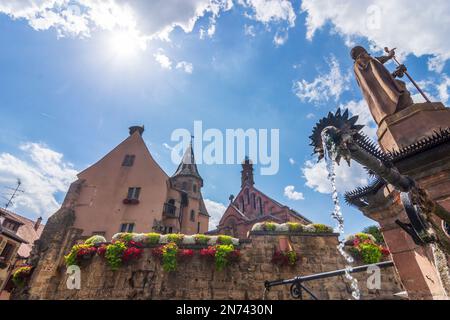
<point x="329" y="274"/>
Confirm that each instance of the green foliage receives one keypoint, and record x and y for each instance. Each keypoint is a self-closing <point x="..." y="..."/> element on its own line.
<point x="224" y="240"/>
<point x="152" y="238"/>
<point x="270" y="226"/>
<point x="71" y="258"/>
<point x="175" y="237"/>
<point x="20" y="275"/>
<point x="95" y="240"/>
<point x="292" y="257"/>
<point x="376" y="233"/>
<point x="169" y="257"/>
<point x="321" y="228"/>
<point x="201" y="239"/>
<point x="127" y="237"/>
<point x="370" y="252"/>
<point x="113" y="254"/>
<point x="221" y="257"/>
<point x="295" y="227"/>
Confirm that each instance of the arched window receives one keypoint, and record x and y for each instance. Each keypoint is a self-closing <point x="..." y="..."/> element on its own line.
<point x="241" y="200"/>
<point x="247" y="197"/>
<point x="194" y="188"/>
<point x="253" y="201"/>
<point x="260" y="206"/>
<point x="192" y="215"/>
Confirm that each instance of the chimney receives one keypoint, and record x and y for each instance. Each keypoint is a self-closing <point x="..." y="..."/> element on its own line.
<point x="38" y="223"/>
<point x="139" y="129"/>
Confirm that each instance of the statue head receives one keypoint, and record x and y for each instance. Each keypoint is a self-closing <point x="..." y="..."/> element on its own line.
<point x="357" y="51"/>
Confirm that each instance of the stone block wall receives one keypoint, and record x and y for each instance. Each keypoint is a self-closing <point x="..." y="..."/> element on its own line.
<point x="198" y="279"/>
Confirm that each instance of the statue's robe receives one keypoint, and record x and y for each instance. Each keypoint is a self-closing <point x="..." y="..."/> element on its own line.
<point x="381" y="91"/>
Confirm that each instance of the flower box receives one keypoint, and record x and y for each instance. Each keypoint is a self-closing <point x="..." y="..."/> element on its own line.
<point x="130" y="201"/>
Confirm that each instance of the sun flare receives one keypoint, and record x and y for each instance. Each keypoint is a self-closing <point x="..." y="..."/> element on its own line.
<point x="126" y="44"/>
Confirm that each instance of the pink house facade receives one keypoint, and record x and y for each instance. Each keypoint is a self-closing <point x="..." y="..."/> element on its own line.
<point x="127" y="191"/>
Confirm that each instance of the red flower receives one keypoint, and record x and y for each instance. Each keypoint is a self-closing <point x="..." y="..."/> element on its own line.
<point x="208" y="252"/>
<point x="157" y="252"/>
<point x="135" y="244"/>
<point x="131" y="253"/>
<point x="385" y="251"/>
<point x="186" y="253"/>
<point x="101" y="250"/>
<point x="234" y="255"/>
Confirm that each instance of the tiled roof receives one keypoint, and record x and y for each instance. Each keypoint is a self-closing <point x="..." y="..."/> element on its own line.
<point x="26" y="231"/>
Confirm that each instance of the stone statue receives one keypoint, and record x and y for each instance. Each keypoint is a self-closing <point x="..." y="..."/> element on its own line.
<point x="384" y="94"/>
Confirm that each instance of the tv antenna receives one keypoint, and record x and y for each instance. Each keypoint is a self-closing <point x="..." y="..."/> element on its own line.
<point x="15" y="193"/>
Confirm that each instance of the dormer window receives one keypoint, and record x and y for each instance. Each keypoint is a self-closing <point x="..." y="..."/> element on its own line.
<point x="128" y="161"/>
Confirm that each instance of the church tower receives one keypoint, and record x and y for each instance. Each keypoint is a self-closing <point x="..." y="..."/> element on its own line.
<point x="247" y="173"/>
<point x="185" y="197"/>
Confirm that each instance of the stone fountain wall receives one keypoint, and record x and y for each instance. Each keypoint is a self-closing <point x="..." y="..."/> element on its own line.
<point x="198" y="279"/>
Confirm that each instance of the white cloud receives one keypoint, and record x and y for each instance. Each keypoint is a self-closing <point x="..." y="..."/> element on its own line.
<point x="413" y="26"/>
<point x="310" y="116"/>
<point x="150" y="19"/>
<point x="291" y="161"/>
<point x="325" y="87"/>
<point x="443" y="89"/>
<point x="249" y="30"/>
<point x="280" y="38"/>
<point x="347" y="178"/>
<point x="43" y="173"/>
<point x="185" y="66"/>
<point x="291" y="194"/>
<point x="267" y="11"/>
<point x="216" y="211"/>
<point x="163" y="60"/>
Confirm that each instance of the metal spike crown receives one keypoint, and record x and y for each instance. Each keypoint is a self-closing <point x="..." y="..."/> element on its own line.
<point x="339" y="121"/>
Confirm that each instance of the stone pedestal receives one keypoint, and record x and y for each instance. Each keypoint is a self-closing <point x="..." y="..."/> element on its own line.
<point x="414" y="263"/>
<point x="412" y="124"/>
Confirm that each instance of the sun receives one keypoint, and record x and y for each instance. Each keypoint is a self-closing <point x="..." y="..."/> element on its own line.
<point x="126" y="44"/>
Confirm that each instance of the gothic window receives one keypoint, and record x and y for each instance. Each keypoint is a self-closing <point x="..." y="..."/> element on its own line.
<point x="241" y="200"/>
<point x="128" y="161"/>
<point x="133" y="193"/>
<point x="247" y="197"/>
<point x="198" y="227"/>
<point x="260" y="207"/>
<point x="194" y="188"/>
<point x="253" y="201"/>
<point x="192" y="215"/>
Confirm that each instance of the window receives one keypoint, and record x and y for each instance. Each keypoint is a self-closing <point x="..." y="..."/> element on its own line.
<point x="184" y="186"/>
<point x="260" y="206"/>
<point x="247" y="197"/>
<point x="198" y="227"/>
<point x="133" y="193"/>
<point x="128" y="161"/>
<point x="192" y="215"/>
<point x="254" y="201"/>
<point x="194" y="188"/>
<point x="127" y="227"/>
<point x="7" y="252"/>
<point x="11" y="225"/>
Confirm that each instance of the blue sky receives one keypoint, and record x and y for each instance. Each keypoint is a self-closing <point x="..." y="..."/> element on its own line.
<point x="67" y="98"/>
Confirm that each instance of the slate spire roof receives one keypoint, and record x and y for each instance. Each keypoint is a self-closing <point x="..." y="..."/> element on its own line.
<point x="188" y="167"/>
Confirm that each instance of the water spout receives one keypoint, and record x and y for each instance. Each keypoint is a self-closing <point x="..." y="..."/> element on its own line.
<point x="330" y="150"/>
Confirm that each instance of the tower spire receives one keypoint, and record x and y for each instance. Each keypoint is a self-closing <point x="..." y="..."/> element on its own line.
<point x="188" y="167"/>
<point x="247" y="178"/>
